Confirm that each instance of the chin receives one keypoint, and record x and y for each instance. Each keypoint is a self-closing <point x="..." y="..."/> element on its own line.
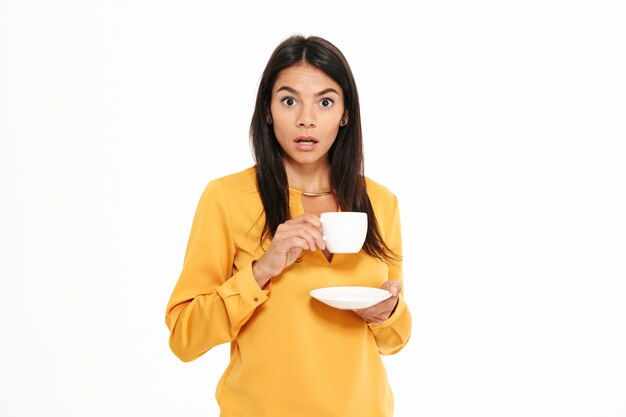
<point x="307" y="159"/>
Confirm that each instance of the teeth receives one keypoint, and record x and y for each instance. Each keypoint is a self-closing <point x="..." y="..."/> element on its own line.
<point x="306" y="142"/>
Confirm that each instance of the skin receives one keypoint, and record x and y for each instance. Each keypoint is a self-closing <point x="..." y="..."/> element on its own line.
<point x="307" y="102"/>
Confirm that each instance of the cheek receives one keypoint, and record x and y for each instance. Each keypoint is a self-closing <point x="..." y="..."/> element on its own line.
<point x="280" y="127"/>
<point x="332" y="130"/>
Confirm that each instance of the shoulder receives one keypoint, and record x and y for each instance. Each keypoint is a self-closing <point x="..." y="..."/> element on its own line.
<point x="384" y="203"/>
<point x="238" y="189"/>
<point x="378" y="193"/>
<point x="385" y="206"/>
<point x="242" y="182"/>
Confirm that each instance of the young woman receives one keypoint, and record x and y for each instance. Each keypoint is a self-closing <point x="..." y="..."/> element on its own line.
<point x="256" y="250"/>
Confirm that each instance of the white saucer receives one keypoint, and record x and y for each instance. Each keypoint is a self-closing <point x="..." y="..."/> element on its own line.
<point x="348" y="298"/>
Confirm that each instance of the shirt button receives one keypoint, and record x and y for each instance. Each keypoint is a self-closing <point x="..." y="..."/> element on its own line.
<point x="256" y="299"/>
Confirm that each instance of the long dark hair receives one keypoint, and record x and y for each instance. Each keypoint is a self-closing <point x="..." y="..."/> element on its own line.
<point x="345" y="156"/>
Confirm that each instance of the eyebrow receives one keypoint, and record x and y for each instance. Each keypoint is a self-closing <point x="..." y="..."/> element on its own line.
<point x="321" y="93"/>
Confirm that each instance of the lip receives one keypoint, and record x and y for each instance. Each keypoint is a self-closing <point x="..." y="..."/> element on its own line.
<point x="305" y="146"/>
<point x="305" y="138"/>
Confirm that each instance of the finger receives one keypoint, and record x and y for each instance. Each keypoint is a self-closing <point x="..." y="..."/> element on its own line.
<point x="289" y="239"/>
<point x="382" y="309"/>
<point x="284" y="254"/>
<point x="385" y="306"/>
<point x="305" y="231"/>
<point x="307" y="218"/>
<point x="306" y="234"/>
<point x="312" y="220"/>
<point x="393" y="286"/>
<point x="316" y="234"/>
<point x="362" y="314"/>
<point x="369" y="317"/>
<point x="378" y="313"/>
<point x="295" y="243"/>
<point x="394" y="290"/>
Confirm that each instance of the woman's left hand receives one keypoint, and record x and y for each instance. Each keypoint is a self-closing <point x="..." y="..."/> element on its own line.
<point x="381" y="311"/>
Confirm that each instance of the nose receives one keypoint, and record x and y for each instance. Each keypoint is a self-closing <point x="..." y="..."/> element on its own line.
<point x="306" y="117"/>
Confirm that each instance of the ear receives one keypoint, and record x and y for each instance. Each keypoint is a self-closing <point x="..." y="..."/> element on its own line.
<point x="344" y="119"/>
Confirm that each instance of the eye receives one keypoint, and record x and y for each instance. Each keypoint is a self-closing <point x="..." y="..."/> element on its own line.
<point x="288" y="101"/>
<point x="326" y="102"/>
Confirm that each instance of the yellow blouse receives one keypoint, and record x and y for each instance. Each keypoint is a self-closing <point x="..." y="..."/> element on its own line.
<point x="291" y="355"/>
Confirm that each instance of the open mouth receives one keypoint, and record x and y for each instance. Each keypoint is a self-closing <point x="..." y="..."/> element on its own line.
<point x="305" y="140"/>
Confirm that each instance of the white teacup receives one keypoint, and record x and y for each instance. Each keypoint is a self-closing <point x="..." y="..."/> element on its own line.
<point x="344" y="231"/>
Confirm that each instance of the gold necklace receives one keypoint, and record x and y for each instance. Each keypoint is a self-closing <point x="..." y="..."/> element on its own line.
<point x="304" y="193"/>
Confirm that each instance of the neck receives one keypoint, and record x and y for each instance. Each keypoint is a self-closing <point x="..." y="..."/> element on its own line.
<point x="311" y="179"/>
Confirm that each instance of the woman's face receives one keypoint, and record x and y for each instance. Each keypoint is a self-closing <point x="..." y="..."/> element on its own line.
<point x="306" y="109"/>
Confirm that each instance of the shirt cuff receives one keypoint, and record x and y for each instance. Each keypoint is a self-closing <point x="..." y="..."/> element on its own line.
<point x="244" y="285"/>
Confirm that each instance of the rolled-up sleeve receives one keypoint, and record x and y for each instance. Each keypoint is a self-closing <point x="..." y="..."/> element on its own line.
<point x="210" y="302"/>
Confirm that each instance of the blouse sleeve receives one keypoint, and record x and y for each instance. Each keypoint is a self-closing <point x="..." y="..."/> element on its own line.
<point x="210" y="302"/>
<point x="394" y="333"/>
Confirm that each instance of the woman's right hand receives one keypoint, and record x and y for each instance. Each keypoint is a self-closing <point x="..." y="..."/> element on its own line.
<point x="290" y="239"/>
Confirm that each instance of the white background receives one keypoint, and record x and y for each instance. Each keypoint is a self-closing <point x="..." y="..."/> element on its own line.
<point x="500" y="125"/>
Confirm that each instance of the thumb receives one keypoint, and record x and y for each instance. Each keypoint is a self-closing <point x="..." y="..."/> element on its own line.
<point x="393" y="287"/>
